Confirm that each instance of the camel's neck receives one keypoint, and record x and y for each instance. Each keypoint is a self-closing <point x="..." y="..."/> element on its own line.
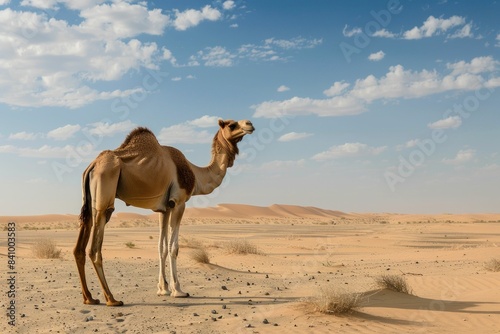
<point x="210" y="177"/>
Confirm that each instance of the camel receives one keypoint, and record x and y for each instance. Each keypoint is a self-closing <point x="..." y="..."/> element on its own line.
<point x="145" y="174"/>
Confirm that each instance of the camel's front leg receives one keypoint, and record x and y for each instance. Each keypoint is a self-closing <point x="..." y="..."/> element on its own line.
<point x="162" y="253"/>
<point x="173" y="245"/>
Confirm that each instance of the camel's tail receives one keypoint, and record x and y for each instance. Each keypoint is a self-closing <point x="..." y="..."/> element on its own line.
<point x="86" y="212"/>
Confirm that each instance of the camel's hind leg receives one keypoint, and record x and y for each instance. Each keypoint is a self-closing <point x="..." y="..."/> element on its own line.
<point x="173" y="245"/>
<point x="79" y="253"/>
<point x="162" y="253"/>
<point x="100" y="219"/>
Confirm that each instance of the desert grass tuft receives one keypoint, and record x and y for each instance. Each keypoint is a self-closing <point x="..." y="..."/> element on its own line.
<point x="393" y="282"/>
<point x="241" y="246"/>
<point x="334" y="301"/>
<point x="190" y="242"/>
<point x="200" y="255"/>
<point x="46" y="249"/>
<point x="492" y="265"/>
<point x="130" y="244"/>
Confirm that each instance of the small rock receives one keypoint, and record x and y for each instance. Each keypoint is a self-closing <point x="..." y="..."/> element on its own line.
<point x="265" y="321"/>
<point x="214" y="319"/>
<point x="224" y="287"/>
<point x="224" y="306"/>
<point x="196" y="315"/>
<point x="214" y="312"/>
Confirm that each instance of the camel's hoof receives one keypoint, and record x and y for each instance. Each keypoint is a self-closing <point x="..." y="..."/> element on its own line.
<point x="114" y="303"/>
<point x="163" y="293"/>
<point x="180" y="295"/>
<point x="91" y="301"/>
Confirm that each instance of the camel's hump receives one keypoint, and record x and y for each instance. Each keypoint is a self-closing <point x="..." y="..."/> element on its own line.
<point x="139" y="134"/>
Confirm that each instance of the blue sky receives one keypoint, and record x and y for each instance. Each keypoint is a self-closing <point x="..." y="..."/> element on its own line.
<point x="361" y="106"/>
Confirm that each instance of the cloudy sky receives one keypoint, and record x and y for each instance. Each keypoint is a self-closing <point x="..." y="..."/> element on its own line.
<point x="364" y="106"/>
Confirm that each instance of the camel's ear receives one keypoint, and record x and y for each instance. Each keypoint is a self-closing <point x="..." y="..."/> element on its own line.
<point x="222" y="124"/>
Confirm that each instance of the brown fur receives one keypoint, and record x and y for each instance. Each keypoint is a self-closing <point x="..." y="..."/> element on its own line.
<point x="135" y="135"/>
<point x="185" y="176"/>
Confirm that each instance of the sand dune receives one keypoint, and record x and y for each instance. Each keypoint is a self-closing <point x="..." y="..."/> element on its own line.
<point x="280" y="211"/>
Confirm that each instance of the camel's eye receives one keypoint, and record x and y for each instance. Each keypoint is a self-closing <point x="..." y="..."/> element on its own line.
<point x="232" y="126"/>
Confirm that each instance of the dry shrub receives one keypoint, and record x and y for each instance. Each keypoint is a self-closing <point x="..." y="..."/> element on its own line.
<point x="200" y="255"/>
<point x="393" y="282"/>
<point x="334" y="301"/>
<point x="189" y="242"/>
<point x="492" y="265"/>
<point x="45" y="249"/>
<point x="130" y="244"/>
<point x="241" y="246"/>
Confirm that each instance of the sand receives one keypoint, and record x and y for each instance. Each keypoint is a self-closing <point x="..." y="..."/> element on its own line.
<point x="303" y="250"/>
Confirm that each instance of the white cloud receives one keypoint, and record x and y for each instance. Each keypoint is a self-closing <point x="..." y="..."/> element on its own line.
<point x="205" y="121"/>
<point x="465" y="32"/>
<point x="48" y="61"/>
<point x="63" y="132"/>
<point x="462" y="157"/>
<point x="377" y="56"/>
<point x="4" y="2"/>
<point x="451" y="122"/>
<point x="397" y="83"/>
<point x="228" y="5"/>
<point x="280" y="164"/>
<point x="106" y="129"/>
<point x="46" y="151"/>
<point x="23" y="135"/>
<point x="337" y="88"/>
<point x="384" y="33"/>
<point x="123" y="20"/>
<point x="234" y="25"/>
<point x="176" y="79"/>
<point x="283" y="88"/>
<point x="498" y="41"/>
<point x="336" y="106"/>
<point x="348" y="150"/>
<point x="270" y="50"/>
<point x="409" y="144"/>
<point x="433" y="26"/>
<point x="297" y="43"/>
<point x="192" y="17"/>
<point x="351" y="32"/>
<point x="476" y="66"/>
<point x="291" y="136"/>
<point x="216" y="56"/>
<point x="189" y="132"/>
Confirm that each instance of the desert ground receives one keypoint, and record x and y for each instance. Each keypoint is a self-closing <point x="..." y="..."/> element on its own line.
<point x="301" y="251"/>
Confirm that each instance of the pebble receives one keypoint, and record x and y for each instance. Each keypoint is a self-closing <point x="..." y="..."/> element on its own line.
<point x="224" y="287"/>
<point x="265" y="321"/>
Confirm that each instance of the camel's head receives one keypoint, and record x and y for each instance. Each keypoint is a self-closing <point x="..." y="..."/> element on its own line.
<point x="233" y="131"/>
